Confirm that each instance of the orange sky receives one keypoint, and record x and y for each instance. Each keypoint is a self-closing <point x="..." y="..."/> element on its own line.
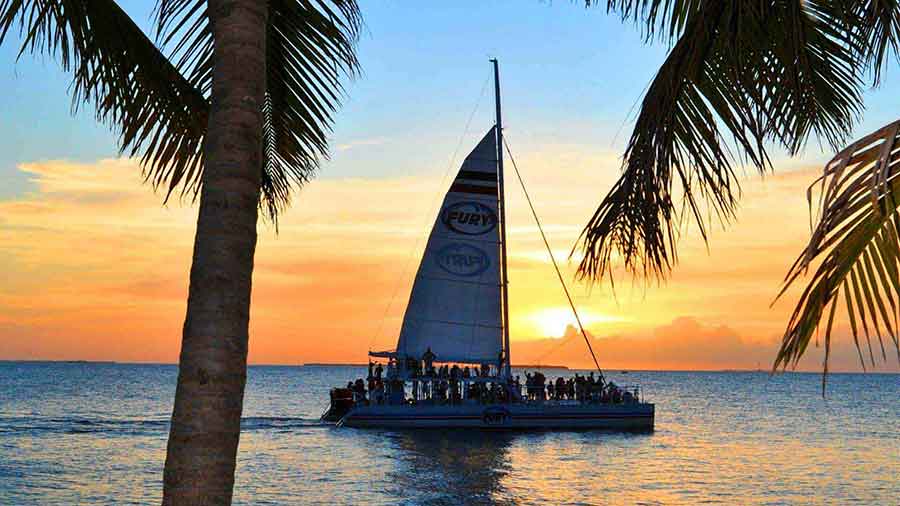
<point x="96" y="268"/>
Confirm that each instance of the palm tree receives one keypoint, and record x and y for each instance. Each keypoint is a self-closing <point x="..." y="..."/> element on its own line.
<point x="740" y="78"/>
<point x="235" y="112"/>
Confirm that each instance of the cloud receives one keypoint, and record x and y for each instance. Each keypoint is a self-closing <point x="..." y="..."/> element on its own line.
<point x="374" y="141"/>
<point x="96" y="267"/>
<point x="682" y="344"/>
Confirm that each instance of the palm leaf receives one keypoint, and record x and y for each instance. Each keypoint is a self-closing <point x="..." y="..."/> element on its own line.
<point x="746" y="72"/>
<point x="310" y="47"/>
<point x="855" y="244"/>
<point x="115" y="66"/>
<point x="877" y="23"/>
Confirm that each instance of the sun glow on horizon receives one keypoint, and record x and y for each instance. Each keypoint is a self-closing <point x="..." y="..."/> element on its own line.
<point x="553" y="322"/>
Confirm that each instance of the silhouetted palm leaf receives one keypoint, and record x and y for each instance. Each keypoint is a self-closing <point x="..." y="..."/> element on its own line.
<point x="756" y="72"/>
<point x="160" y="109"/>
<point x="132" y="84"/>
<point x="877" y="24"/>
<point x="310" y="47"/>
<point x="855" y="240"/>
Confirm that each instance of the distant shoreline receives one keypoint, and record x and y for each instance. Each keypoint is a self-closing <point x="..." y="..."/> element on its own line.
<point x="527" y="366"/>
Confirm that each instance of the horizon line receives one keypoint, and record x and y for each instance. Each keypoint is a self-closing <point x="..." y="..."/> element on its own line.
<point x="534" y="366"/>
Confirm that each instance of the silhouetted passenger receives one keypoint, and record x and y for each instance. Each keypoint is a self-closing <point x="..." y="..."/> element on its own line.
<point x="359" y="389"/>
<point x="379" y="392"/>
<point x="428" y="357"/>
<point x="391" y="368"/>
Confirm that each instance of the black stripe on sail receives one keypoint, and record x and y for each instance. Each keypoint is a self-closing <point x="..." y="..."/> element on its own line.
<point x="467" y="188"/>
<point x="477" y="176"/>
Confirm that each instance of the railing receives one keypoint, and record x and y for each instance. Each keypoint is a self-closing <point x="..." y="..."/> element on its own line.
<point x="442" y="390"/>
<point x="610" y="393"/>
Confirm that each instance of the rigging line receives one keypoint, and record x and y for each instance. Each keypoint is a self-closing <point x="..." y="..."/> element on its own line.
<point x="564" y="341"/>
<point x="552" y="258"/>
<point x="415" y="247"/>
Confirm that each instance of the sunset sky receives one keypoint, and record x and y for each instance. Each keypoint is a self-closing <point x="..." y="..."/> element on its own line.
<point x="96" y="267"/>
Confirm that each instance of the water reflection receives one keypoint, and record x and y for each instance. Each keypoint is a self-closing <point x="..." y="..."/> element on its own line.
<point x="94" y="436"/>
<point x="450" y="467"/>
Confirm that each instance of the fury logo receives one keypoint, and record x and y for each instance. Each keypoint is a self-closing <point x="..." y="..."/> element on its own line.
<point x="469" y="218"/>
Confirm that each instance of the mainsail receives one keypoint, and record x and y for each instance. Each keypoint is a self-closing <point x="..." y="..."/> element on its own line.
<point x="455" y="305"/>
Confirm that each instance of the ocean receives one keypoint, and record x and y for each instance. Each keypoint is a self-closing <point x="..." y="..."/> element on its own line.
<point x="95" y="434"/>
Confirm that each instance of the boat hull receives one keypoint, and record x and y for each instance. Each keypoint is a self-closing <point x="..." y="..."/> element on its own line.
<point x="536" y="416"/>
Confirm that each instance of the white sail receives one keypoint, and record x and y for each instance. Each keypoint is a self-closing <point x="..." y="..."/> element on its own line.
<point x="455" y="306"/>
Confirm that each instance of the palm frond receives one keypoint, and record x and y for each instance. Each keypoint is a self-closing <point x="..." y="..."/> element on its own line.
<point x="751" y="72"/>
<point x="655" y="17"/>
<point x="877" y="24"/>
<point x="856" y="243"/>
<point x="118" y="68"/>
<point x="310" y="47"/>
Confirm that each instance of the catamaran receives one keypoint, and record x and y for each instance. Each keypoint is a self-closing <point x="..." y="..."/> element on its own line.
<point x="458" y="313"/>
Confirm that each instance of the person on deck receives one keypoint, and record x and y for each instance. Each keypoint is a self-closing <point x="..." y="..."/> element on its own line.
<point x="391" y="368"/>
<point x="378" y="371"/>
<point x="359" y="390"/>
<point x="550" y="390"/>
<point x="428" y="357"/>
<point x="379" y="392"/>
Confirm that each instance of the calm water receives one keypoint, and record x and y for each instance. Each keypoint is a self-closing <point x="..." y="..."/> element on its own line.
<point x="95" y="434"/>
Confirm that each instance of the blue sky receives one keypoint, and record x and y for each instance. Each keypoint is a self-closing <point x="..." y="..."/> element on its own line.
<point x="570" y="77"/>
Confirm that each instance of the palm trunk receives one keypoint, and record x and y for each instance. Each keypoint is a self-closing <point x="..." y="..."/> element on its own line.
<point x="206" y="419"/>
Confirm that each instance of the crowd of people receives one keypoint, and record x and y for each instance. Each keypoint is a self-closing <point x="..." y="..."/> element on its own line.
<point x="580" y="388"/>
<point x="453" y="384"/>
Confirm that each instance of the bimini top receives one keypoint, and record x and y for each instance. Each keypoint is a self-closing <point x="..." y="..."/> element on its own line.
<point x="455" y="304"/>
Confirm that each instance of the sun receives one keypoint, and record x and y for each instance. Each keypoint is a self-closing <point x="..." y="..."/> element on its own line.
<point x="552" y="322"/>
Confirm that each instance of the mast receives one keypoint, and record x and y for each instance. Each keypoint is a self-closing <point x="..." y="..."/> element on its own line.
<point x="504" y="280"/>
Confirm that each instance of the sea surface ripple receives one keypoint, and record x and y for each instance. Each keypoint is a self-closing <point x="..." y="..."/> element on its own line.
<point x="95" y="434"/>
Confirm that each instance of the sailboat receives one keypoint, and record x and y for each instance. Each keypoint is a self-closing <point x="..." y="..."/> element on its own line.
<point x="458" y="313"/>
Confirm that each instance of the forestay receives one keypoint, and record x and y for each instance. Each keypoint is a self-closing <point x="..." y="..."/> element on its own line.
<point x="455" y="306"/>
